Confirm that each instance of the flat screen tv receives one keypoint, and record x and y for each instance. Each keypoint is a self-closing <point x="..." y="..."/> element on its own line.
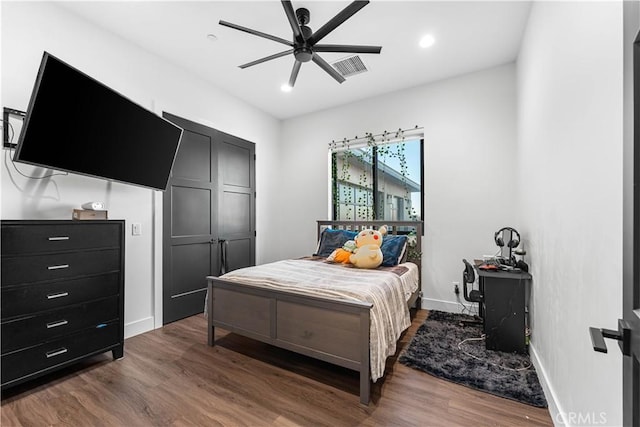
<point x="76" y="124"/>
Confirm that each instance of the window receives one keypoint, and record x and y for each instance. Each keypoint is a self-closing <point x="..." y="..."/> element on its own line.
<point x="378" y="181"/>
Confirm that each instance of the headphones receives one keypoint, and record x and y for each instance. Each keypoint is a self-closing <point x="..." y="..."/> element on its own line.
<point x="513" y="243"/>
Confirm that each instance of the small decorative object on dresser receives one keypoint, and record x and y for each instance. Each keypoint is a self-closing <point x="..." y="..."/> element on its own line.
<point x="93" y="206"/>
<point x="81" y="214"/>
<point x="62" y="295"/>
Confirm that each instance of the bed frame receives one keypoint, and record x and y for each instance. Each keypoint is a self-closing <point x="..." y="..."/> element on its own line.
<point x="330" y="330"/>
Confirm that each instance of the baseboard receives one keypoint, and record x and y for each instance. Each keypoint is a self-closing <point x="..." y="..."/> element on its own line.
<point x="138" y="327"/>
<point x="555" y="410"/>
<point x="441" y="305"/>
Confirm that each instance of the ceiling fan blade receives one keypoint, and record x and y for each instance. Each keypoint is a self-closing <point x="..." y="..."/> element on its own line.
<point x="346" y="48"/>
<point x="266" y="58"/>
<point x="333" y="23"/>
<point x="328" y="68"/>
<point x="256" y="33"/>
<point x="293" y="20"/>
<point x="294" y="73"/>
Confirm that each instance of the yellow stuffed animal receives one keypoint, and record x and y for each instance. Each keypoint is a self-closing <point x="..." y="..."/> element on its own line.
<point x="368" y="253"/>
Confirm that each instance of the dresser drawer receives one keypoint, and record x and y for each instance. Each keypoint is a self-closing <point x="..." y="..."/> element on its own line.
<point x="39" y="238"/>
<point x="32" y="298"/>
<point x="47" y="326"/>
<point x="36" y="268"/>
<point x="47" y="355"/>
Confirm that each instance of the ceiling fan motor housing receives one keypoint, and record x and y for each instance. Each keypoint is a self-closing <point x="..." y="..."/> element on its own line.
<point x="303" y="53"/>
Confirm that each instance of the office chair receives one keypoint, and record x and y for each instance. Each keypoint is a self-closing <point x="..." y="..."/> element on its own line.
<point x="468" y="277"/>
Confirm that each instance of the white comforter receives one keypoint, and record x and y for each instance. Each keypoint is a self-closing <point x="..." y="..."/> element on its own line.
<point x="385" y="289"/>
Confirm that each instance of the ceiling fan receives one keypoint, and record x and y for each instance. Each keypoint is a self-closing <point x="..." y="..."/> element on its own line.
<point x="305" y="45"/>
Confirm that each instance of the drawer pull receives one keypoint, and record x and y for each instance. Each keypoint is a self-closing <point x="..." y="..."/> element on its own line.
<point x="59" y="295"/>
<point x="56" y="324"/>
<point x="58" y="238"/>
<point x="57" y="352"/>
<point x="58" y="267"/>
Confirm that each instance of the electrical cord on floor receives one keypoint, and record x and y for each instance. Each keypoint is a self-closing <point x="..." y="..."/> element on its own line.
<point x="481" y="338"/>
<point x="466" y="309"/>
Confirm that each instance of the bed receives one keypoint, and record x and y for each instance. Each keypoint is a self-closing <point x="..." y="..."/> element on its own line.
<point x="311" y="307"/>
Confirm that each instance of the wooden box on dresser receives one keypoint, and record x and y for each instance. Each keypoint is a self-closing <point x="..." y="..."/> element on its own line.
<point x="62" y="295"/>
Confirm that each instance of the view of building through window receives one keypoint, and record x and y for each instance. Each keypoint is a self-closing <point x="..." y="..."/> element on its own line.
<point x="379" y="182"/>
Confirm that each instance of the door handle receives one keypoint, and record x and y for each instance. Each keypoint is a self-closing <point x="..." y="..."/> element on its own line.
<point x="224" y="267"/>
<point x="622" y="335"/>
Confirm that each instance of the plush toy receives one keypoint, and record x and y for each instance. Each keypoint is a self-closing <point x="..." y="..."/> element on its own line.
<point x="342" y="254"/>
<point x="368" y="253"/>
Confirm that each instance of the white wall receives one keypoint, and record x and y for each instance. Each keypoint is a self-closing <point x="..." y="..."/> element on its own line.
<point x="570" y="187"/>
<point x="470" y="133"/>
<point x="28" y="28"/>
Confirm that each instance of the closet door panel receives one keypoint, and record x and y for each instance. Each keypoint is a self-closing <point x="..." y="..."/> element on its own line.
<point x="190" y="221"/>
<point x="237" y="199"/>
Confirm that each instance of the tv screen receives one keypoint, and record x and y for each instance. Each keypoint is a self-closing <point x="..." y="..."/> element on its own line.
<point x="76" y="124"/>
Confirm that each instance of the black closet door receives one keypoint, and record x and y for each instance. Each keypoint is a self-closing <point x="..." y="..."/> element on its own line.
<point x="196" y="209"/>
<point x="236" y="202"/>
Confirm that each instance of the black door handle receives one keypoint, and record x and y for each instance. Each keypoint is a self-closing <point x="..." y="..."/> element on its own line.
<point x="622" y="335"/>
<point x="224" y="266"/>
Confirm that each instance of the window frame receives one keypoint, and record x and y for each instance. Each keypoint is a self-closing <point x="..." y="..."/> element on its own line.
<point x="335" y="182"/>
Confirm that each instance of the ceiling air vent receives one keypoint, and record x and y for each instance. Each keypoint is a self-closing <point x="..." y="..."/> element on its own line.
<point x="350" y="66"/>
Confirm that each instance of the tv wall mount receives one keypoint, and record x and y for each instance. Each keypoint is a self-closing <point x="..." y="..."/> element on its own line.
<point x="8" y="132"/>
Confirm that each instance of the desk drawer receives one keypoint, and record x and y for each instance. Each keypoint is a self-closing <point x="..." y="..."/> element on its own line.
<point x="39" y="238"/>
<point x="32" y="298"/>
<point x="32" y="330"/>
<point x="329" y="331"/>
<point x="38" y="268"/>
<point x="47" y="355"/>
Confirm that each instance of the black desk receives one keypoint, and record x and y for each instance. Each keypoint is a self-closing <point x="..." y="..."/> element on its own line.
<point x="504" y="309"/>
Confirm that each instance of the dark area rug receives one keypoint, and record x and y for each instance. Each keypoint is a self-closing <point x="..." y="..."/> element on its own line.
<point x="434" y="349"/>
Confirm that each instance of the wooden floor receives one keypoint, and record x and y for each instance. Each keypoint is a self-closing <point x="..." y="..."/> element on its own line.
<point x="171" y="377"/>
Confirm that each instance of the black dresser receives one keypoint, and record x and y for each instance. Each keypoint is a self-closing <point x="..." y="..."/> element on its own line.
<point x="62" y="295"/>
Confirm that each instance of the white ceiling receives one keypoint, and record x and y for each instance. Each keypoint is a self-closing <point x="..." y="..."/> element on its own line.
<point x="469" y="36"/>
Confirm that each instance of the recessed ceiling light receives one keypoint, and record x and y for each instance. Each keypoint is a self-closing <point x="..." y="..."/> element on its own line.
<point x="427" y="41"/>
<point x="286" y="88"/>
<point x="212" y="37"/>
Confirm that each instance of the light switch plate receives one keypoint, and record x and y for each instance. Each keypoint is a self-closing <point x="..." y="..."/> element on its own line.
<point x="136" y="229"/>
